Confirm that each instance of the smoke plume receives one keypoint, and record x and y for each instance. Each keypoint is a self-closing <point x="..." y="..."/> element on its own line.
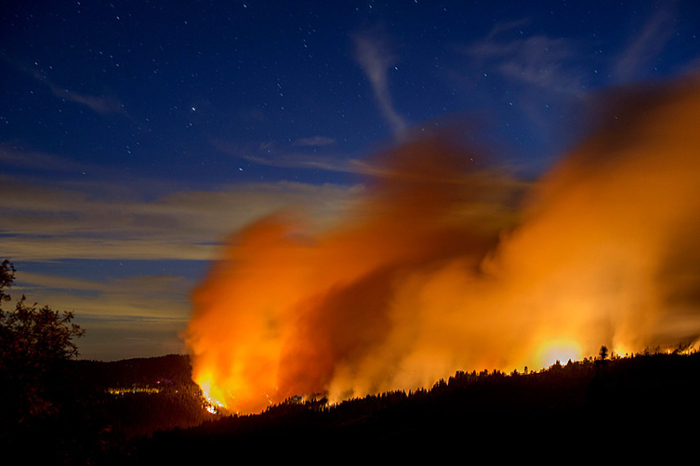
<point x="450" y="263"/>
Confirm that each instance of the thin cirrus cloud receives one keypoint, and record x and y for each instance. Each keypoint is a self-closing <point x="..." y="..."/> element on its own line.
<point x="14" y="155"/>
<point x="298" y="156"/>
<point x="314" y="141"/>
<point x="542" y="74"/>
<point x="551" y="64"/>
<point x="70" y="220"/>
<point x="549" y="85"/>
<point x="101" y="104"/>
<point x="140" y="315"/>
<point x="159" y="296"/>
<point x="643" y="47"/>
<point x="538" y="61"/>
<point x="272" y="155"/>
<point x="374" y="55"/>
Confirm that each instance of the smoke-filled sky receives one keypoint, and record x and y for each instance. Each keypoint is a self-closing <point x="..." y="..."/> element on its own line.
<point x="137" y="136"/>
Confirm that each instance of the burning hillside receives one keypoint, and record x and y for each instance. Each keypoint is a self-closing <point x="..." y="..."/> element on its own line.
<point x="448" y="262"/>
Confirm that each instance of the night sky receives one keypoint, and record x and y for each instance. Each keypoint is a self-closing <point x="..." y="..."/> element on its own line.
<point x="136" y="135"/>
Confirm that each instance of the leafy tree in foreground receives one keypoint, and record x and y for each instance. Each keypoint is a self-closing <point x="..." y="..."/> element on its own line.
<point x="35" y="344"/>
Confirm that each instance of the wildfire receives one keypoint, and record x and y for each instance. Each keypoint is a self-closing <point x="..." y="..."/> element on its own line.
<point x="562" y="350"/>
<point x="442" y="267"/>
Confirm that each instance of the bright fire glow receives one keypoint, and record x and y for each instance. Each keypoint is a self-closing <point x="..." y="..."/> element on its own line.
<point x="562" y="351"/>
<point x="441" y="267"/>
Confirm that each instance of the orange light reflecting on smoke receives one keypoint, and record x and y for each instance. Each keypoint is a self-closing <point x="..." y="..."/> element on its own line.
<point x="441" y="267"/>
<point x="562" y="351"/>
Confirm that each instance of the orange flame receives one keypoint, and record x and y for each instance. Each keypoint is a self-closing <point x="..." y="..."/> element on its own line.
<point x="439" y="269"/>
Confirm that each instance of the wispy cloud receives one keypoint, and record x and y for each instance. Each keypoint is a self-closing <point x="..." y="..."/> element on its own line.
<point x="99" y="104"/>
<point x="535" y="60"/>
<point x="314" y="141"/>
<point x="159" y="296"/>
<point x="69" y="220"/>
<point x="374" y="55"/>
<point x="14" y="155"/>
<point x="139" y="315"/>
<point x="102" y="104"/>
<point x="535" y="80"/>
<point x="643" y="47"/>
<point x="274" y="155"/>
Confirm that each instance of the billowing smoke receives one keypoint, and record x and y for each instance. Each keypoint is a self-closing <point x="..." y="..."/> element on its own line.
<point x="449" y="263"/>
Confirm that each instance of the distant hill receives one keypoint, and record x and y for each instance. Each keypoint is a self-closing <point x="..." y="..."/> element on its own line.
<point x="170" y="370"/>
<point x="148" y="411"/>
<point x="649" y="400"/>
<point x="135" y="397"/>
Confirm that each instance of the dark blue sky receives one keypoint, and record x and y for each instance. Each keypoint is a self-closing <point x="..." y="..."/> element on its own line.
<point x="134" y="135"/>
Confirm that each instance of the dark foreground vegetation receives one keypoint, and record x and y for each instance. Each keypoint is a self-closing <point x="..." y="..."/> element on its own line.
<point x="147" y="411"/>
<point x="90" y="411"/>
<point x="646" y="402"/>
<point x="58" y="410"/>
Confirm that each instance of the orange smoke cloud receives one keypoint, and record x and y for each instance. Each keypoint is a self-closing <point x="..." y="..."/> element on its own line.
<point x="440" y="268"/>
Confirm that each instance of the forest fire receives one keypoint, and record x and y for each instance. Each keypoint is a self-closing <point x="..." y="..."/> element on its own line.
<point x="449" y="263"/>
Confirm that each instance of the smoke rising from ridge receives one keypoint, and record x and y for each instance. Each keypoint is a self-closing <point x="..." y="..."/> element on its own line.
<point x="450" y="263"/>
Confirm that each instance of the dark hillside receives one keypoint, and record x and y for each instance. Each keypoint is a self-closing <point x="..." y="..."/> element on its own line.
<point x="136" y="397"/>
<point x="148" y="411"/>
<point x="172" y="370"/>
<point x="588" y="401"/>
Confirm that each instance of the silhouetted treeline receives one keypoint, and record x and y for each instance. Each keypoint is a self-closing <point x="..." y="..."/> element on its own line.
<point x="171" y="370"/>
<point x="645" y="399"/>
<point x="593" y="403"/>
